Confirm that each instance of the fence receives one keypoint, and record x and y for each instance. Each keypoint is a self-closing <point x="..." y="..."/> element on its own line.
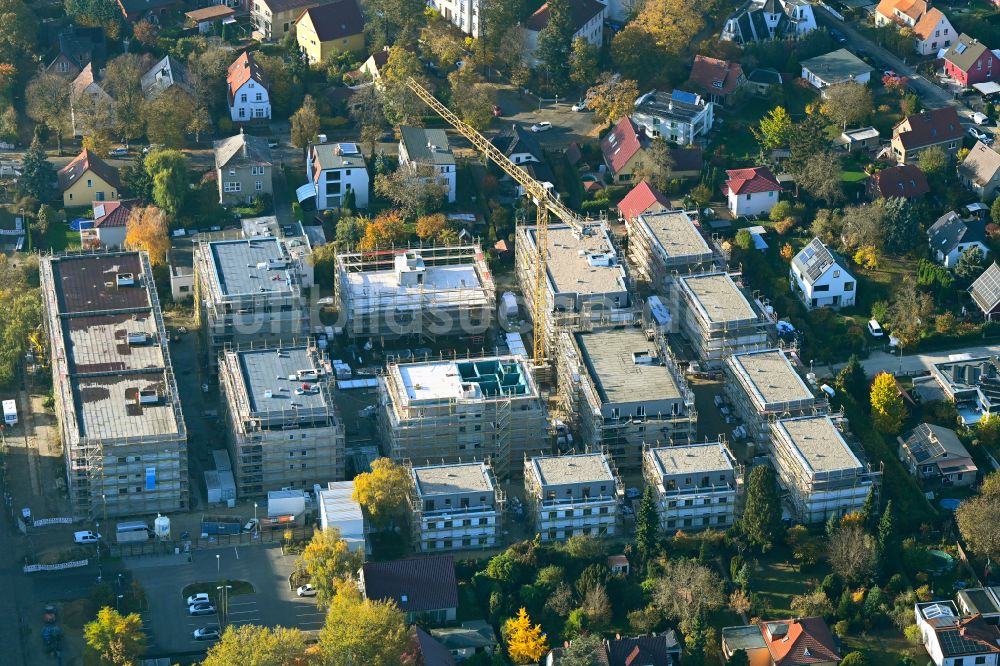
<point x="169" y="547"/>
<point x="32" y="568"/>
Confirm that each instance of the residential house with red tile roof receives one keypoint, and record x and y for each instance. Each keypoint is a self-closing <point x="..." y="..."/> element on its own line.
<point x="643" y="198"/>
<point x="751" y="192"/>
<point x="247" y="93"/>
<point x="951" y="639"/>
<point x="586" y="18"/>
<point x="920" y="131"/>
<point x="330" y="29"/>
<point x="902" y="180"/>
<point x="969" y="62"/>
<point x="900" y="12"/>
<point x="933" y="32"/>
<point x="805" y="641"/>
<point x="110" y="220"/>
<point x="717" y="80"/>
<point x="623" y="149"/>
<point x="86" y="179"/>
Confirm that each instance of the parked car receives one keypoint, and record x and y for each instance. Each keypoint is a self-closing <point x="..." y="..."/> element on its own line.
<point x="543" y="126"/>
<point x="875" y="329"/>
<point x="497" y="111"/>
<point x="251" y="525"/>
<point x="306" y="590"/>
<point x="200" y="598"/>
<point x="272" y="143"/>
<point x="838" y="35"/>
<point x="580" y="106"/>
<point x="201" y="609"/>
<point x="209" y="633"/>
<point x="86" y="537"/>
<point x="632" y="493"/>
<point x="979" y="134"/>
<point x="119" y="152"/>
<point x="890" y="73"/>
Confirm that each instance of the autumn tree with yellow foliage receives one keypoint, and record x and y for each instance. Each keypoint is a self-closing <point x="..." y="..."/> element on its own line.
<point x="888" y="410"/>
<point x="147" y="230"/>
<point x="261" y="646"/>
<point x="429" y="226"/>
<point x="526" y="644"/>
<point x="362" y="631"/>
<point x="385" y="231"/>
<point x="382" y="491"/>
<point x="673" y="24"/>
<point x="326" y="559"/>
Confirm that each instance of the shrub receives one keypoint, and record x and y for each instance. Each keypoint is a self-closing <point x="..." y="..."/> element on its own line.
<point x="913" y="634"/>
<point x="785" y="225"/>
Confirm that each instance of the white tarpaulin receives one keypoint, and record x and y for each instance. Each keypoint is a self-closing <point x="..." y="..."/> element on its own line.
<point x="987" y="87"/>
<point x="304" y="192"/>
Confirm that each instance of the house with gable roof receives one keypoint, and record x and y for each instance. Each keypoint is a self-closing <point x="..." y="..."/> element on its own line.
<point x="901" y="180"/>
<point x="243" y="169"/>
<point x="980" y="171"/>
<point x="76" y="48"/>
<point x="717" y="80"/>
<point x="985" y="292"/>
<point x="86" y="84"/>
<point x="951" y="639"/>
<point x="900" y="12"/>
<point x="164" y="75"/>
<point x="247" y="93"/>
<point x="624" y="149"/>
<point x="330" y="28"/>
<point x="662" y="649"/>
<point x="763" y="20"/>
<point x="934" y="453"/>
<point x="751" y="191"/>
<point x="86" y="179"/>
<point x="420" y="587"/>
<point x="919" y="131"/>
<point x="586" y="18"/>
<point x="522" y="148"/>
<point x="804" y="641"/>
<point x="969" y="61"/>
<point x="933" y="32"/>
<point x="950" y="236"/>
<point x="110" y="222"/>
<point x="820" y="278"/>
<point x="643" y="198"/>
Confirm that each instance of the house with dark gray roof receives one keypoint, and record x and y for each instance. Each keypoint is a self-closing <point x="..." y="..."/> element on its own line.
<point x="421" y="148"/>
<point x="422" y="587"/>
<point x="166" y="74"/>
<point x="763" y="20"/>
<point x="820" y="278"/>
<point x="522" y="148"/>
<point x="242" y="168"/>
<point x="840" y="66"/>
<point x="933" y="453"/>
<point x="969" y="62"/>
<point x="980" y="171"/>
<point x="985" y="292"/>
<point x="654" y="650"/>
<point x="951" y="235"/>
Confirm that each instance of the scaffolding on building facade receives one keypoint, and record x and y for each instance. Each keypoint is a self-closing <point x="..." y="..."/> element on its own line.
<point x="651" y="265"/>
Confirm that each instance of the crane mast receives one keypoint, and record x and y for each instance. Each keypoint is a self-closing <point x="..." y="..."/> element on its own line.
<point x="545" y="202"/>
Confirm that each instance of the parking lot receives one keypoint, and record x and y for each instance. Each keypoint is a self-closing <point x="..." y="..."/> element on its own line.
<point x="171" y="628"/>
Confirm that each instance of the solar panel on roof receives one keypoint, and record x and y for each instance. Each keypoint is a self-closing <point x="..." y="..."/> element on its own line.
<point x="960" y="48"/>
<point x="348" y="149"/>
<point x="684" y="96"/>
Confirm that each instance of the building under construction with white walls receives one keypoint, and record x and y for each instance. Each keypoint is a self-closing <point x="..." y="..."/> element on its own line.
<point x="452" y="411"/>
<point x="663" y="245"/>
<point x="248" y="290"/>
<point x="421" y="292"/>
<point x="620" y="390"/>
<point x="116" y="397"/>
<point x="586" y="283"/>
<point x="283" y="424"/>
<point x="455" y="507"/>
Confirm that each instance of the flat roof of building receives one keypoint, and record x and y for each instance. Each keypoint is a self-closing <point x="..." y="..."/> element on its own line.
<point x="676" y="234"/>
<point x="101" y="343"/>
<point x="382" y="289"/>
<point x="242" y="266"/>
<point x="625" y="367"/>
<point x="573" y="261"/>
<point x="474" y="379"/>
<point x="109" y="408"/>
<point x="452" y="479"/>
<point x="771" y="376"/>
<point x="579" y="468"/>
<point x="692" y="459"/>
<point x="88" y="282"/>
<point x="718" y="298"/>
<point x="820" y="445"/>
<point x="269" y="376"/>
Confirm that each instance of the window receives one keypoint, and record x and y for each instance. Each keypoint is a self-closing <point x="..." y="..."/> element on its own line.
<point x="90" y="183"/>
<point x="258" y="186"/>
<point x="256" y="171"/>
<point x="748" y="197"/>
<point x="260" y="96"/>
<point x="232" y="172"/>
<point x="234" y="186"/>
<point x="243" y="112"/>
<point x="243" y="97"/>
<point x="836" y="274"/>
<point x="848" y="286"/>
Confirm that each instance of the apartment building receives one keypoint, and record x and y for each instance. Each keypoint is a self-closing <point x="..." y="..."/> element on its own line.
<point x="821" y="473"/>
<point x="667" y="244"/>
<point x="463" y="14"/>
<point x="462" y="410"/>
<point x="120" y="419"/>
<point x="428" y="292"/>
<point x="696" y="486"/>
<point x="573" y="495"/>
<point x="284" y="429"/>
<point x="763" y="385"/>
<point x="455" y="507"/>
<point x="248" y="291"/>
<point x="677" y="116"/>
<point x="336" y="172"/>
<point x="718" y="318"/>
<point x="623" y="390"/>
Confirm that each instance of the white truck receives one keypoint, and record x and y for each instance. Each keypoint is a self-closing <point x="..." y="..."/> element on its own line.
<point x="9" y="413"/>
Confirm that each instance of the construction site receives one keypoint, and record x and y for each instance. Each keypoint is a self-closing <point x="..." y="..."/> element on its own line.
<point x="284" y="429"/>
<point x="573" y="495"/>
<point x="115" y="393"/>
<point x="247" y="290"/>
<point x="620" y="390"/>
<point x="822" y="475"/>
<point x="470" y="410"/>
<point x="455" y="507"/>
<point x="697" y="486"/>
<point x="663" y="245"/>
<point x="422" y="293"/>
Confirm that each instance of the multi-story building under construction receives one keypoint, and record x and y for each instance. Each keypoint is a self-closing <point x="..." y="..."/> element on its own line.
<point x="822" y="474"/>
<point x="462" y="410"/>
<point x="116" y="398"/>
<point x="248" y="290"/>
<point x="424" y="292"/>
<point x="620" y="390"/>
<point x="284" y="429"/>
<point x="573" y="495"/>
<point x="668" y="244"/>
<point x="697" y="486"/>
<point x="455" y="507"/>
<point x="718" y="318"/>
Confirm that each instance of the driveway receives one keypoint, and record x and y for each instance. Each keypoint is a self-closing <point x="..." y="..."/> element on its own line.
<point x="524" y="109"/>
<point x="885" y="361"/>
<point x="170" y="627"/>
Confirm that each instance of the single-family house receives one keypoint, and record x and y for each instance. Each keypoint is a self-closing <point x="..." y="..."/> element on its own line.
<point x="677" y="116"/>
<point x="463" y="14"/>
<point x="468" y="639"/>
<point x="953" y="640"/>
<point x="985" y="292"/>
<point x="936" y="454"/>
<point x="371" y="69"/>
<point x="717" y="80"/>
<point x="763" y="80"/>
<point x="421" y="148"/>
<point x="86" y="179"/>
<point x="247" y="90"/>
<point x="336" y="27"/>
<point x="901" y="180"/>
<point x="272" y="19"/>
<point x="75" y="48"/>
<point x="426" y="650"/>
<point x="242" y="169"/>
<point x="900" y="12"/>
<point x="933" y="32"/>
<point x="980" y="171"/>
<point x="586" y="19"/>
<point x="206" y="17"/>
<point x="148" y="10"/>
<point x="86" y="91"/>
<point x="643" y="198"/>
<point x="820" y="278"/>
<point x="652" y="650"/>
<point x="763" y="20"/>
<point x="334" y="170"/>
<point x="840" y="66"/>
<point x="969" y="61"/>
<point x="685" y="162"/>
<point x="110" y="222"/>
<point x="802" y="641"/>
<point x="917" y="132"/>
<point x="422" y="587"/>
<point x="624" y="149"/>
<point x="950" y="236"/>
<point x="522" y="148"/>
<point x="751" y="192"/>
<point x="164" y="75"/>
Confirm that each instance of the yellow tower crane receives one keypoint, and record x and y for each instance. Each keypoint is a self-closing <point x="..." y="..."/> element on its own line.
<point x="544" y="201"/>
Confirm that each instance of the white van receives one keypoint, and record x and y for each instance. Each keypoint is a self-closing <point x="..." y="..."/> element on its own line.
<point x="875" y="329"/>
<point x="980" y="118"/>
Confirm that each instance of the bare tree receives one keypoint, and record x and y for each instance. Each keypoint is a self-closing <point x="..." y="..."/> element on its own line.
<point x="686" y="590"/>
<point x="417" y="189"/>
<point x="851" y="551"/>
<point x="48" y="103"/>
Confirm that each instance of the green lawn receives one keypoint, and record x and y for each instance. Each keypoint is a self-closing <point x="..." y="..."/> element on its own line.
<point x="59" y="238"/>
<point x="853" y="176"/>
<point x="777" y="579"/>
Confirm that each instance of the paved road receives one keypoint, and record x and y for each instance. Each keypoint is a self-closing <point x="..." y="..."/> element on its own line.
<point x="883" y="361"/>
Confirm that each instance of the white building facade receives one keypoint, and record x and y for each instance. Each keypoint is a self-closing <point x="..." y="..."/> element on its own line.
<point x="573" y="495"/>
<point x="334" y="169"/>
<point x="463" y="14"/>
<point x="820" y="279"/>
<point x="695" y="486"/>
